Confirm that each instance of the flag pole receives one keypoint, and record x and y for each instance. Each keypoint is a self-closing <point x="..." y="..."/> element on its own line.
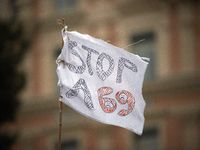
<point x="60" y="103"/>
<point x="60" y="125"/>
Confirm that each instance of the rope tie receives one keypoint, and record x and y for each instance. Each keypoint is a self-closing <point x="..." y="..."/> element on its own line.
<point x="59" y="61"/>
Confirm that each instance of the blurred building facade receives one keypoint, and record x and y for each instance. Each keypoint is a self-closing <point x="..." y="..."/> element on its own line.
<point x="171" y="29"/>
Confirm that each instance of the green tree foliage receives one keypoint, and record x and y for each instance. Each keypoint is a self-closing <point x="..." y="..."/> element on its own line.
<point x="13" y="47"/>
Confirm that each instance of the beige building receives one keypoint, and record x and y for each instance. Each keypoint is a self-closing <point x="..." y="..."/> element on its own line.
<point x="171" y="29"/>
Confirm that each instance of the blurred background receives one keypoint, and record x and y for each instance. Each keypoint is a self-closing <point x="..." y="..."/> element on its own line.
<point x="31" y="42"/>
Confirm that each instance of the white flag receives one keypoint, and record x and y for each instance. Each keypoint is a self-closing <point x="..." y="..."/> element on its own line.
<point x="101" y="81"/>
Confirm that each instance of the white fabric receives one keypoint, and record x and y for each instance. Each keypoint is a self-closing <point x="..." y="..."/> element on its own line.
<point x="102" y="81"/>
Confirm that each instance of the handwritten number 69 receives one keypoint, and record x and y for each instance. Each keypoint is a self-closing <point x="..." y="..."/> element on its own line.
<point x="109" y="105"/>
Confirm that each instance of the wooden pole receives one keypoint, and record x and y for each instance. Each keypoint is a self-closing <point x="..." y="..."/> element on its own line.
<point x="60" y="103"/>
<point x="60" y="125"/>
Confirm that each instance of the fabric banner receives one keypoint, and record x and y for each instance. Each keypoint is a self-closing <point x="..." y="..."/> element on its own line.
<point x="101" y="81"/>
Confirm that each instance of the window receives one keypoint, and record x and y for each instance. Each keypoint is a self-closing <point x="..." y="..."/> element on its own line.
<point x="66" y="5"/>
<point x="57" y="52"/>
<point x="146" y="49"/>
<point x="69" y="145"/>
<point x="55" y="81"/>
<point x="1" y="9"/>
<point x="148" y="140"/>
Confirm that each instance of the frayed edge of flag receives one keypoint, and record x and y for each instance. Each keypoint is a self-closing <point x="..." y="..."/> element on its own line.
<point x="146" y="59"/>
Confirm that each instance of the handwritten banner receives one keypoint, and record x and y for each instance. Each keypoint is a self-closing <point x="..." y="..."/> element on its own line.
<point x="102" y="81"/>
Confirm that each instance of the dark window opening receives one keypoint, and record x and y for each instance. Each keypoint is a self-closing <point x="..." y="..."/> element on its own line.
<point x="146" y="48"/>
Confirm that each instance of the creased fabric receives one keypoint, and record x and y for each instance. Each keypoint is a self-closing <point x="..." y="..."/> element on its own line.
<point x="101" y="81"/>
